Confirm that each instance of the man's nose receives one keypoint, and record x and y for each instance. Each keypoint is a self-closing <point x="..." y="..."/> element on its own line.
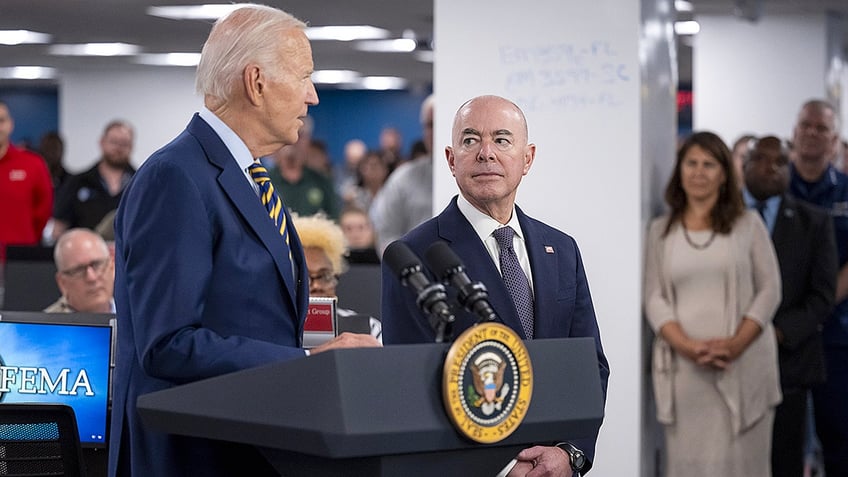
<point x="487" y="152"/>
<point x="91" y="273"/>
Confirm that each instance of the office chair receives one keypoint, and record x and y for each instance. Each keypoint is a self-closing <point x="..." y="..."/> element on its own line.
<point x="360" y="289"/>
<point x="39" y="440"/>
<point x="30" y="278"/>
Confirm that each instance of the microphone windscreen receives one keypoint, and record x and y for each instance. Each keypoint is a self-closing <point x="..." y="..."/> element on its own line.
<point x="440" y="259"/>
<point x="399" y="257"/>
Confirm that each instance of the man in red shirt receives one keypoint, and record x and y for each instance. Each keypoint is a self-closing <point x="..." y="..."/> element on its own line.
<point x="26" y="191"/>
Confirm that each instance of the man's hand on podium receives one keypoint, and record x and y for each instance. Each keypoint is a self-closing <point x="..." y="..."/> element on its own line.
<point x="347" y="340"/>
<point x="541" y="461"/>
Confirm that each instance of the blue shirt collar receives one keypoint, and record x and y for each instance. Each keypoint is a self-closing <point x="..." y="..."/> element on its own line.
<point x="234" y="144"/>
<point x="772" y="205"/>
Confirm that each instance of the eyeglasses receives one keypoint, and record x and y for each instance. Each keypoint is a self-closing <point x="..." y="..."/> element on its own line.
<point x="324" y="279"/>
<point x="79" y="271"/>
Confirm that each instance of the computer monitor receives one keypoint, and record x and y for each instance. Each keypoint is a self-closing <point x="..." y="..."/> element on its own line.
<point x="60" y="358"/>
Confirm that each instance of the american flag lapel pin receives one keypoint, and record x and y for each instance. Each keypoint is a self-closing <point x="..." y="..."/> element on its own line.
<point x="549" y="249"/>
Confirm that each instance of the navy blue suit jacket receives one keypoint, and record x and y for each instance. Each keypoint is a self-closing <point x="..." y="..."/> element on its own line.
<point x="203" y="287"/>
<point x="563" y="304"/>
<point x="806" y="250"/>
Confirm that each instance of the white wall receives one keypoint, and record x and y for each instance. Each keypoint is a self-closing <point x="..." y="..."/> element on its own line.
<point x="753" y="77"/>
<point x="158" y="102"/>
<point x="583" y="113"/>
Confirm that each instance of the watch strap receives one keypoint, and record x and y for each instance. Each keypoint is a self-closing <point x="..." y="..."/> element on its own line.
<point x="572" y="452"/>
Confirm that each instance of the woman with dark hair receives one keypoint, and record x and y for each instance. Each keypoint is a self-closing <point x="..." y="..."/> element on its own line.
<point x="712" y="286"/>
<point x="52" y="148"/>
<point x="371" y="173"/>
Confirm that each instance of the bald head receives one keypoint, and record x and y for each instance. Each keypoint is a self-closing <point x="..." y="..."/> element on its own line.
<point x="492" y="103"/>
<point x="86" y="272"/>
<point x="74" y="241"/>
<point x="490" y="154"/>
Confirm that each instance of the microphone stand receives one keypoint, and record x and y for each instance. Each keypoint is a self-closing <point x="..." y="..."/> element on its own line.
<point x="440" y="318"/>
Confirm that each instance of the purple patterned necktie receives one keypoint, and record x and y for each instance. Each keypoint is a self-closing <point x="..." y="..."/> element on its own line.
<point x="515" y="279"/>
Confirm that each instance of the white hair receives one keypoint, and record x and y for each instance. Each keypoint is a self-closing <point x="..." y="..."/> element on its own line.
<point x="245" y="35"/>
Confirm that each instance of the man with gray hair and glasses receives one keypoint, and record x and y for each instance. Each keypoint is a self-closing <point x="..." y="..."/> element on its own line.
<point x="86" y="273"/>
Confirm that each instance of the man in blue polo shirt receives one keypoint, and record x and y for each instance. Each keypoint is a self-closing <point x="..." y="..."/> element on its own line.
<point x="815" y="180"/>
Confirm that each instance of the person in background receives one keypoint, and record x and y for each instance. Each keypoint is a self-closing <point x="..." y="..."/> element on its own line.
<point x="359" y="235"/>
<point x="85" y="198"/>
<point x="418" y="148"/>
<point x="406" y="198"/>
<point x="210" y="273"/>
<point x="814" y="179"/>
<point x="391" y="144"/>
<point x="26" y="191"/>
<point x="840" y="156"/>
<point x="712" y="285"/>
<point x="739" y="152"/>
<point x="52" y="149"/>
<point x="804" y="242"/>
<point x="371" y="174"/>
<point x="106" y="229"/>
<point x="303" y="190"/>
<point x="324" y="247"/>
<point x="488" y="156"/>
<point x="86" y="273"/>
<point x="318" y="159"/>
<point x="344" y="174"/>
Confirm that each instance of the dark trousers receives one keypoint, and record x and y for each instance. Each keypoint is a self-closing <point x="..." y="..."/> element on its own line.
<point x="831" y="409"/>
<point x="787" y="444"/>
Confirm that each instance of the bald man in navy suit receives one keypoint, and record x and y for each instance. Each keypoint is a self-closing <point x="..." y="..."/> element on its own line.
<point x="489" y="155"/>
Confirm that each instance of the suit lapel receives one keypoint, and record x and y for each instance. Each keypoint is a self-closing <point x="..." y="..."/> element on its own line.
<point x="784" y="223"/>
<point x="234" y="184"/>
<point x="455" y="229"/>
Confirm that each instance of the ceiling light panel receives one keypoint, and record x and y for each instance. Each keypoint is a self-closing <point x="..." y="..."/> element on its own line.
<point x="193" y="12"/>
<point x="400" y="45"/>
<point x="27" y="72"/>
<point x="334" y="76"/>
<point x="168" y="59"/>
<point x="346" y="33"/>
<point x="94" y="49"/>
<point x="22" y="37"/>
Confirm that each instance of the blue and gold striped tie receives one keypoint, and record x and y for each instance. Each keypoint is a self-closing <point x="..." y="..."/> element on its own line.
<point x="270" y="198"/>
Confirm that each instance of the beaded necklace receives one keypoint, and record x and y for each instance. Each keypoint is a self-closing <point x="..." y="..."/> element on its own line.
<point x="698" y="246"/>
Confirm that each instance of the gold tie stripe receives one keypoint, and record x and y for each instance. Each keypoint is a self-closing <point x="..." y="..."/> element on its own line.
<point x="270" y="199"/>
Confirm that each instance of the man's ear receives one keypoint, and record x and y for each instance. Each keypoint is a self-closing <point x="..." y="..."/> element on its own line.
<point x="60" y="282"/>
<point x="529" y="157"/>
<point x="254" y="84"/>
<point x="451" y="159"/>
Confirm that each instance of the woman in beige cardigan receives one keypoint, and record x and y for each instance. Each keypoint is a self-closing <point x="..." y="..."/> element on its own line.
<point x="712" y="285"/>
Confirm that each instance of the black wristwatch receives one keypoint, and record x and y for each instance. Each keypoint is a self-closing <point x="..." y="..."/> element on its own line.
<point x="576" y="457"/>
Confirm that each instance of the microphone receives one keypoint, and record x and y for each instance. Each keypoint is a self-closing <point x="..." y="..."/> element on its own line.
<point x="431" y="297"/>
<point x="473" y="296"/>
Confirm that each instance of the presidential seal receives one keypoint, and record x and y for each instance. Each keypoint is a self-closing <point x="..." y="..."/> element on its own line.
<point x="487" y="382"/>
